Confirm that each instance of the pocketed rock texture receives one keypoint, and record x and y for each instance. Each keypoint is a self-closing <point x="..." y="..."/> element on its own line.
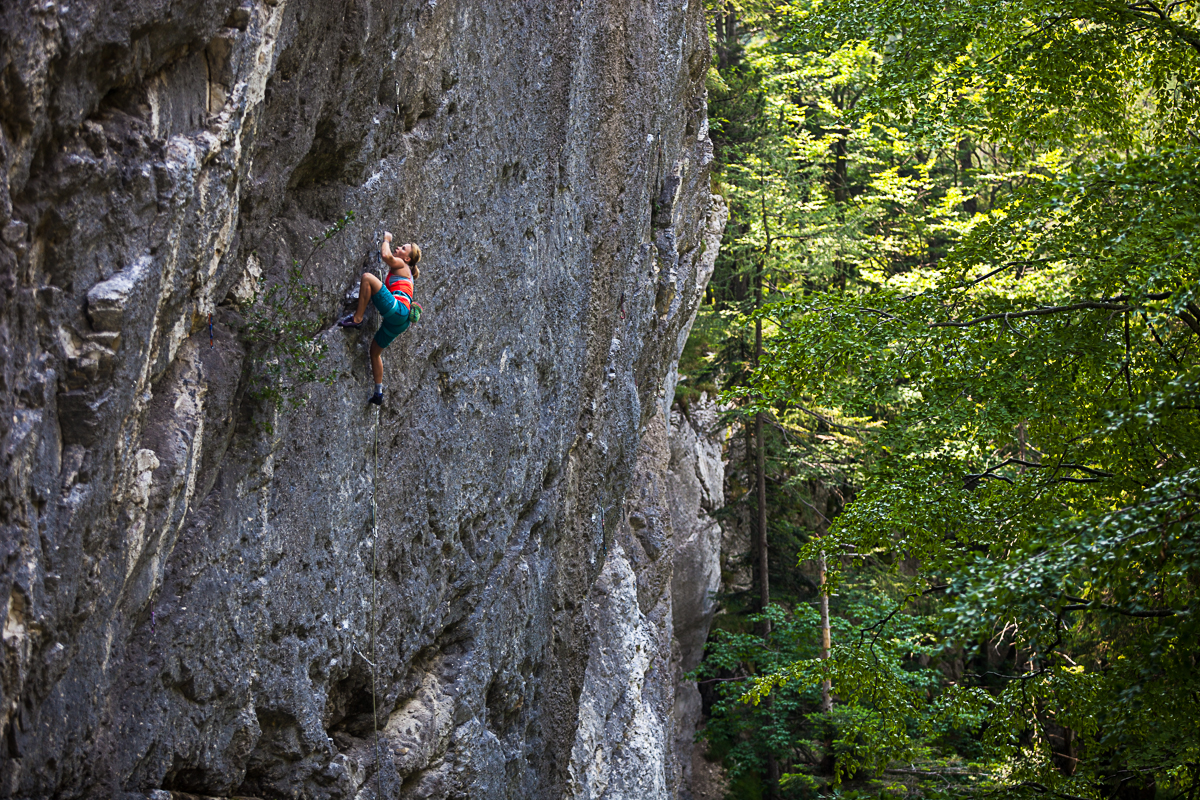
<point x="187" y="560"/>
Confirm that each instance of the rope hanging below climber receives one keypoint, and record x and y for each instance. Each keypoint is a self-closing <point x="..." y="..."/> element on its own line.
<point x="392" y="296"/>
<point x="375" y="595"/>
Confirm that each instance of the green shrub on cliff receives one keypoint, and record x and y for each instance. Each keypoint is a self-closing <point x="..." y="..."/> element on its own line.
<point x="283" y="332"/>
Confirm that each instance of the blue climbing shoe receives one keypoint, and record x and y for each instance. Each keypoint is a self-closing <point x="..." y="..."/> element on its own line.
<point x="376" y="399"/>
<point x="348" y="322"/>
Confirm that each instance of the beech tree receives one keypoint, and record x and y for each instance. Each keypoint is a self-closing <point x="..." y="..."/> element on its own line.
<point x="1026" y="402"/>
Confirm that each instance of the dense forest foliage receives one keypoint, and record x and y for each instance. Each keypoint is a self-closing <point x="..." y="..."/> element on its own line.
<point x="956" y="326"/>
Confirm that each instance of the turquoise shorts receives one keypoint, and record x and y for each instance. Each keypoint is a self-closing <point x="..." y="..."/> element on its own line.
<point x="393" y="316"/>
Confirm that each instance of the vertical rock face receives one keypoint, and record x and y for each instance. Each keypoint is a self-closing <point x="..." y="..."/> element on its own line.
<point x="698" y="475"/>
<point x="189" y="570"/>
<point x="650" y="612"/>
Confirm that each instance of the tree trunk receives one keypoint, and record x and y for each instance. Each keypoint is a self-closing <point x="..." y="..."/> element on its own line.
<point x="726" y="29"/>
<point x="764" y="584"/>
<point x="826" y="643"/>
<point x="841" y="177"/>
<point x="840" y="183"/>
<point x="761" y="455"/>
<point x="966" y="153"/>
<point x="764" y="588"/>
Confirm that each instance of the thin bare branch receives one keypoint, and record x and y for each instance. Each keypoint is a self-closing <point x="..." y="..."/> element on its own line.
<point x="1119" y="303"/>
<point x="1082" y="604"/>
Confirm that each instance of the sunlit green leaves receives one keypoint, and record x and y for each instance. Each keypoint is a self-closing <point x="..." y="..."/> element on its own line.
<point x="993" y="272"/>
<point x="1034" y="72"/>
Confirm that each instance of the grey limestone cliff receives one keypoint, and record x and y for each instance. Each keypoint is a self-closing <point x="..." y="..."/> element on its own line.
<point x="185" y="564"/>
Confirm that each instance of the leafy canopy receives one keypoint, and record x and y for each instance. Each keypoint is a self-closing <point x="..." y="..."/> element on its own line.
<point x="1016" y="334"/>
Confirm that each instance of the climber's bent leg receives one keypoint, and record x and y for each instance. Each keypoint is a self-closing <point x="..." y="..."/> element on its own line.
<point x="369" y="286"/>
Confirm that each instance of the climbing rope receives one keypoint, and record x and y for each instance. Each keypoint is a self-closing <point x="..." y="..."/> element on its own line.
<point x="374" y="581"/>
<point x="375" y="602"/>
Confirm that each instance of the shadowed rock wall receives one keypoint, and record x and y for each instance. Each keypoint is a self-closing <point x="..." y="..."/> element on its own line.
<point x="185" y="567"/>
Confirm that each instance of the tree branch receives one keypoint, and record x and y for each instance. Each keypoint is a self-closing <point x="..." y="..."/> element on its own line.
<point x="1119" y="303"/>
<point x="826" y="420"/>
<point x="1154" y="17"/>
<point x="971" y="480"/>
<point x="1192" y="320"/>
<point x="1020" y="262"/>
<point x="1161" y="343"/>
<point x="1082" y="604"/>
<point x="876" y="311"/>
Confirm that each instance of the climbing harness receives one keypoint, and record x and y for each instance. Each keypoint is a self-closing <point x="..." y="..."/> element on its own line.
<point x="210" y="331"/>
<point x="375" y="601"/>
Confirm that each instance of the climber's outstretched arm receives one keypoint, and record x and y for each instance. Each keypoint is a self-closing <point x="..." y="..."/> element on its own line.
<point x="385" y="250"/>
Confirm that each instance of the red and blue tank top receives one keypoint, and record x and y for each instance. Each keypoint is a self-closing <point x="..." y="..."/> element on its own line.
<point x="401" y="288"/>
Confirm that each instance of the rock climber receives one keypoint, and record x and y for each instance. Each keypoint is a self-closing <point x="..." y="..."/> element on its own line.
<point x="394" y="301"/>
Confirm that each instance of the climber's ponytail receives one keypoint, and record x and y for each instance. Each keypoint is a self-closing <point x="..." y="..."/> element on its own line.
<point x="413" y="258"/>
